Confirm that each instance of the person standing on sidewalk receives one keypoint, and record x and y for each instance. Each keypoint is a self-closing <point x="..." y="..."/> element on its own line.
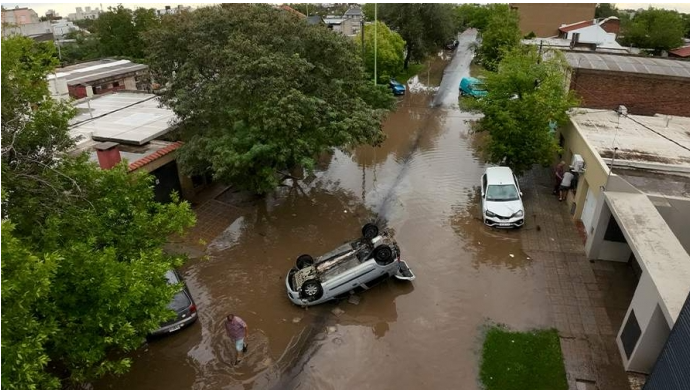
<point x="237" y="331"/>
<point x="566" y="183"/>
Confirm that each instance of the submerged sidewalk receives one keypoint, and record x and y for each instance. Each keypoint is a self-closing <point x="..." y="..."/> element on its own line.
<point x="588" y="299"/>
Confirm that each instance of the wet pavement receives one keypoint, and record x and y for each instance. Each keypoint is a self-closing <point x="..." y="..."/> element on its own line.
<point x="423" y="182"/>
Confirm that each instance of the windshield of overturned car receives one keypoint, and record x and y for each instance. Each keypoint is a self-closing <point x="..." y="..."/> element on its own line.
<point x="502" y="193"/>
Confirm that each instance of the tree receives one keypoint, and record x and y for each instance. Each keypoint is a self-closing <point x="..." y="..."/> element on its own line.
<point x="368" y="10"/>
<point x="604" y="10"/>
<point x="119" y="30"/>
<point x="26" y="282"/>
<point x="424" y="27"/>
<point x="259" y="92"/>
<point x="101" y="287"/>
<point x="86" y="48"/>
<point x="502" y="34"/>
<point x="389" y="51"/>
<point x="656" y="29"/>
<point x="524" y="97"/>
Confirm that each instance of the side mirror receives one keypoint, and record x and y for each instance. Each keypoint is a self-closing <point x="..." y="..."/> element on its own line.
<point x="520" y="193"/>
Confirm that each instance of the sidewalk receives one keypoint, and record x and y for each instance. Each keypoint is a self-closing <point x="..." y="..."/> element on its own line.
<point x="588" y="299"/>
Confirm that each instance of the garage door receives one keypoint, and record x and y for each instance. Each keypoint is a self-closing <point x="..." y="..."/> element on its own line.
<point x="588" y="211"/>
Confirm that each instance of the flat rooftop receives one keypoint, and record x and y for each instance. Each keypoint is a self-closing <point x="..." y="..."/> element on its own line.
<point x="656" y="183"/>
<point x="564" y="44"/>
<point x="656" y="248"/>
<point x="660" y="142"/>
<point x="89" y="72"/>
<point x="131" y="153"/>
<point x="123" y="117"/>
<point x="630" y="64"/>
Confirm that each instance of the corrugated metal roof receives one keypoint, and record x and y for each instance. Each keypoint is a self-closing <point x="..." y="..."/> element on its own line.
<point x="618" y="63"/>
<point x="96" y="70"/>
<point x="682" y="51"/>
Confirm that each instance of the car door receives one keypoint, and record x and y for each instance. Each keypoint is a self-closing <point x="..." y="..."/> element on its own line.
<point x="483" y="190"/>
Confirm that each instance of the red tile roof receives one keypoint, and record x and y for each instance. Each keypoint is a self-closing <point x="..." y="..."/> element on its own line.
<point x="155" y="156"/>
<point x="681" y="51"/>
<point x="575" y="26"/>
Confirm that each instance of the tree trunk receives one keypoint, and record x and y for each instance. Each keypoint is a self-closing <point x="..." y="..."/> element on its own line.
<point x="408" y="55"/>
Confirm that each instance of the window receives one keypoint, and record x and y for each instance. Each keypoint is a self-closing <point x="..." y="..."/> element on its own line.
<point x="116" y="84"/>
<point x="502" y="193"/>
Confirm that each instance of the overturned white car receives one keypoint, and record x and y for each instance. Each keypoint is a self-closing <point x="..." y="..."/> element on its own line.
<point x="359" y="263"/>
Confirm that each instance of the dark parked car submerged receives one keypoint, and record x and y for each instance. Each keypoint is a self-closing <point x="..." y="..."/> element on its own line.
<point x="182" y="303"/>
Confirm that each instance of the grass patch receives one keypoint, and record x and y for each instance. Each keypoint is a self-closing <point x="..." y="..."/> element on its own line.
<point x="412" y="70"/>
<point x="476" y="70"/>
<point x="522" y="360"/>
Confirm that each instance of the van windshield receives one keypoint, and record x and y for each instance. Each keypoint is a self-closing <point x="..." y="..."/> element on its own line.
<point x="478" y="87"/>
<point x="502" y="193"/>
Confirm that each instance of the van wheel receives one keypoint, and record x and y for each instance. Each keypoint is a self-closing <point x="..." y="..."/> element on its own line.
<point x="304" y="261"/>
<point x="312" y="290"/>
<point x="383" y="255"/>
<point x="370" y="231"/>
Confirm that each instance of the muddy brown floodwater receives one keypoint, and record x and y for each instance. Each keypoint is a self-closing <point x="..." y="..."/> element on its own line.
<point x="423" y="182"/>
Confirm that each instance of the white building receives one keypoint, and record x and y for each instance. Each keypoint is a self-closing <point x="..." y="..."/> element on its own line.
<point x="86" y="13"/>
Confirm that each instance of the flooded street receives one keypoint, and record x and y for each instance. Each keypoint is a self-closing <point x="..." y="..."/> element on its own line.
<point x="424" y="183"/>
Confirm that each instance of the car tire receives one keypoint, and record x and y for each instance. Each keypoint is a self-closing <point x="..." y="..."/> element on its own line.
<point x="312" y="290"/>
<point x="383" y="255"/>
<point x="304" y="261"/>
<point x="369" y="231"/>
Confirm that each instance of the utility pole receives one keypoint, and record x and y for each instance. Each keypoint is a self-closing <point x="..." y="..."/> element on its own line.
<point x="363" y="51"/>
<point x="376" y="8"/>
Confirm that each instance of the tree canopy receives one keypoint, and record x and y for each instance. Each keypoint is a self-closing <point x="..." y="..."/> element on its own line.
<point x="604" y="10"/>
<point x="656" y="29"/>
<point x="258" y="91"/>
<point x="390" y="49"/>
<point x="476" y="15"/>
<point x="424" y="27"/>
<point x="502" y="34"/>
<point x="524" y="97"/>
<point x="82" y="266"/>
<point x="119" y="30"/>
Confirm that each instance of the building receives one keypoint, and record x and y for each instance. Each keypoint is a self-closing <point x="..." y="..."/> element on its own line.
<point x="544" y="19"/>
<point x="39" y="31"/>
<point x="86" y="13"/>
<point x="315" y="20"/>
<point x="670" y="371"/>
<point x="63" y="27"/>
<point x="592" y="31"/>
<point x="168" y="10"/>
<point x="131" y="126"/>
<point x="19" y="16"/>
<point x="633" y="200"/>
<point x="355" y="14"/>
<point x="340" y="25"/>
<point x="681" y="52"/>
<point x="645" y="85"/>
<point x="98" y="77"/>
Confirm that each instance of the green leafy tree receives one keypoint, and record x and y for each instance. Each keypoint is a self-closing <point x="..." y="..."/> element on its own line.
<point x="656" y="29"/>
<point x="87" y="24"/>
<point x="424" y="27"/>
<point x="102" y="288"/>
<point x="686" y="22"/>
<point x="369" y="11"/>
<point x="525" y="96"/>
<point x="502" y="34"/>
<point x="604" y="10"/>
<point x="390" y="49"/>
<point x="26" y="283"/>
<point x="120" y="30"/>
<point x="259" y="92"/>
<point x="86" y="48"/>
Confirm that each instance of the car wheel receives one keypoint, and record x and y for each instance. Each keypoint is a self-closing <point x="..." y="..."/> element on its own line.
<point x="312" y="290"/>
<point x="369" y="231"/>
<point x="304" y="261"/>
<point x="383" y="255"/>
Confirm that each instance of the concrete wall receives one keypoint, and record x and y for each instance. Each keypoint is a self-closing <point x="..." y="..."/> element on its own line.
<point x="651" y="343"/>
<point x="544" y="19"/>
<point x="642" y="94"/>
<point x="652" y="323"/>
<point x="592" y="34"/>
<point x="130" y="84"/>
<point x="676" y="213"/>
<point x="596" y="171"/>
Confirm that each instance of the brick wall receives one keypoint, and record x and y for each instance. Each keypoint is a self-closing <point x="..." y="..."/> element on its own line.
<point x="642" y="94"/>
